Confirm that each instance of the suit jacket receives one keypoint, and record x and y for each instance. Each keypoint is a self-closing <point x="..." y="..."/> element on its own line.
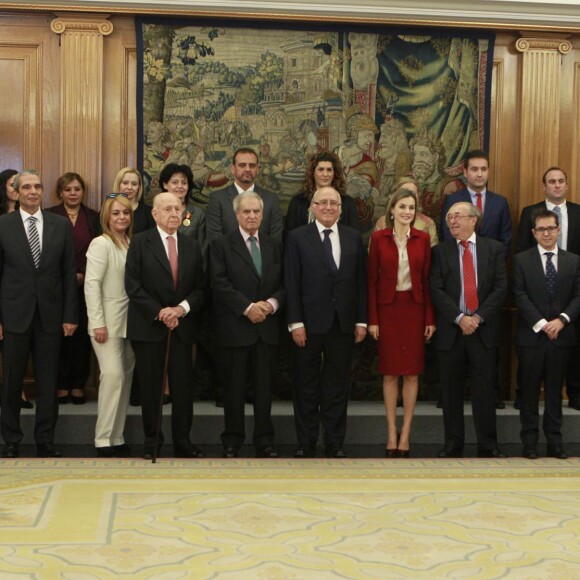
<point x="107" y="301"/>
<point x="221" y="219"/>
<point x="446" y="285"/>
<point x="526" y="239"/>
<point x="384" y="267"/>
<point x="149" y="285"/>
<point x="236" y="284"/>
<point x="52" y="288"/>
<point x="496" y="223"/>
<point x="313" y="293"/>
<point x="297" y="212"/>
<point x="533" y="301"/>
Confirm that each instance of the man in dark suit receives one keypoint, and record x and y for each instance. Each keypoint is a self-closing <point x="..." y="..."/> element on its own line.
<point x="496" y="222"/>
<point x="468" y="287"/>
<point x="555" y="186"/>
<point x="326" y="297"/>
<point x="165" y="283"/>
<point x="220" y="217"/>
<point x="38" y="305"/>
<point x="546" y="285"/>
<point x="246" y="275"/>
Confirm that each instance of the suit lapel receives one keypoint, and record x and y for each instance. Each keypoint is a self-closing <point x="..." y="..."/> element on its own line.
<point x="317" y="247"/>
<point x="453" y="261"/>
<point x="239" y="247"/>
<point x="22" y="239"/>
<point x="157" y="247"/>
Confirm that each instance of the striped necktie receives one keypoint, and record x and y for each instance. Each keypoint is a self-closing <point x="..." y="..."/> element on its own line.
<point x="34" y="241"/>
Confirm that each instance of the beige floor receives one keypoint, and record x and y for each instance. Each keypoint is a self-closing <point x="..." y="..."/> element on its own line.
<point x="286" y="519"/>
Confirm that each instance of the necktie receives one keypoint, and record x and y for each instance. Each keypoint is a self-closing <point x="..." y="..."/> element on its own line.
<point x="469" y="284"/>
<point x="479" y="202"/>
<point x="328" y="250"/>
<point x="550" y="273"/>
<point x="256" y="255"/>
<point x="558" y="211"/>
<point x="172" y="251"/>
<point x="34" y="241"/>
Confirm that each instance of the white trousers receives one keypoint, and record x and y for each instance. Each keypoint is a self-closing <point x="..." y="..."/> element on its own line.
<point x="116" y="363"/>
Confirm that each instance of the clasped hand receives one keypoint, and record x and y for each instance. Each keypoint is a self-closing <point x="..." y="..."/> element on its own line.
<point x="259" y="311"/>
<point x="170" y="316"/>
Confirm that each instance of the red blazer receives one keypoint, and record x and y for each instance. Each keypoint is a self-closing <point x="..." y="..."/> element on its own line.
<point x="384" y="265"/>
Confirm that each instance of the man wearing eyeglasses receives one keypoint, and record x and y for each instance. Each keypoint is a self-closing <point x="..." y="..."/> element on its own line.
<point x="555" y="187"/>
<point x="546" y="286"/>
<point x="326" y="297"/>
<point x="468" y="287"/>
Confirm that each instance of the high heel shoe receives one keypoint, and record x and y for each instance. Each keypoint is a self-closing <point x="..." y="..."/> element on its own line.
<point x="390" y="453"/>
<point x="63" y="399"/>
<point x="78" y="400"/>
<point x="403" y="453"/>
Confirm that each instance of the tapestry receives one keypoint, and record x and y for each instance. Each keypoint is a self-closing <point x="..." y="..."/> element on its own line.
<point x="389" y="102"/>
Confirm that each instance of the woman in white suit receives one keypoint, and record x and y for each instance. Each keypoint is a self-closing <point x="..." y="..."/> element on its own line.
<point x="107" y="305"/>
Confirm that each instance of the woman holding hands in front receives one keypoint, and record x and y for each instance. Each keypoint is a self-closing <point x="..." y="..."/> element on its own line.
<point x="107" y="305"/>
<point x="401" y="315"/>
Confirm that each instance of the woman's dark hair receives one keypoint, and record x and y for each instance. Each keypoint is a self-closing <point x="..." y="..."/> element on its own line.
<point x="4" y="177"/>
<point x="338" y="181"/>
<point x="170" y="170"/>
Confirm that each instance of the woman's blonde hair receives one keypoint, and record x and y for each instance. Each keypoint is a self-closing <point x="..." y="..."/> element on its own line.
<point x="106" y="216"/>
<point x="119" y="178"/>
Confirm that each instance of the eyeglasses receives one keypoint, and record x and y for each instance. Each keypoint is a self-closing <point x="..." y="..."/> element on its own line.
<point x="114" y="195"/>
<point x="327" y="203"/>
<point x="548" y="230"/>
<point x="457" y="216"/>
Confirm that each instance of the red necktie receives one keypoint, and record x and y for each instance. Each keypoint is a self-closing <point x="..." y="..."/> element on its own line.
<point x="469" y="284"/>
<point x="172" y="250"/>
<point x="479" y="203"/>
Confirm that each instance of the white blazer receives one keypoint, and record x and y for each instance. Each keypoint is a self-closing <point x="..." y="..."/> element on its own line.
<point x="107" y="301"/>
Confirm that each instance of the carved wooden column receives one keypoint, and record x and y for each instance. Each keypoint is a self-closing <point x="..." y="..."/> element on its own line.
<point x="540" y="109"/>
<point x="81" y="106"/>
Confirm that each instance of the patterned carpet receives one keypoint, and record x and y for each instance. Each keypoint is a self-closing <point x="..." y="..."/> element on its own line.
<point x="284" y="519"/>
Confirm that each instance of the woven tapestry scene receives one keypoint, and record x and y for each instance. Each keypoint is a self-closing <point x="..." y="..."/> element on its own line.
<point x="388" y="104"/>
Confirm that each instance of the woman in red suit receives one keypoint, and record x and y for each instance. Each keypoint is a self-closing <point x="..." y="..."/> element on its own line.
<point x="401" y="316"/>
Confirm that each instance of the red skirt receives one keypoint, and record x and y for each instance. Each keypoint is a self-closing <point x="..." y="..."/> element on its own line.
<point x="401" y="336"/>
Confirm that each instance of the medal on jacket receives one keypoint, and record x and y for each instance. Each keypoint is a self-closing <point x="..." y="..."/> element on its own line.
<point x="187" y="221"/>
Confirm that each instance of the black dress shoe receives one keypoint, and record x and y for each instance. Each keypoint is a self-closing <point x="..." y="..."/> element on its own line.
<point x="166" y="399"/>
<point x="495" y="453"/>
<point x="574" y="404"/>
<point x="47" y="450"/>
<point x="499" y="404"/>
<point x="26" y="404"/>
<point x="517" y="403"/>
<point x="231" y="452"/>
<point x="439" y="404"/>
<point x="335" y="452"/>
<point x="219" y="403"/>
<point x="450" y="452"/>
<point x="305" y="451"/>
<point x="105" y="452"/>
<point x="122" y="450"/>
<point x="267" y="452"/>
<point x="530" y="452"/>
<point x="556" y="452"/>
<point x="192" y="453"/>
<point x="11" y="450"/>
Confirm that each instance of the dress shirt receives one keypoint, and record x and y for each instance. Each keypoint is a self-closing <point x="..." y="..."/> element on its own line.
<point x="541" y="323"/>
<point x="404" y="270"/>
<point x="164" y="235"/>
<point x="472" y="194"/>
<point x="472" y="246"/>
<point x="563" y="221"/>
<point x="242" y="190"/>
<point x="246" y="236"/>
<point x="39" y="224"/>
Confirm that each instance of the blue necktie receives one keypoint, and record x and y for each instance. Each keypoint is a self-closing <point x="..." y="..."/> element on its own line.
<point x="328" y="250"/>
<point x="550" y="273"/>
